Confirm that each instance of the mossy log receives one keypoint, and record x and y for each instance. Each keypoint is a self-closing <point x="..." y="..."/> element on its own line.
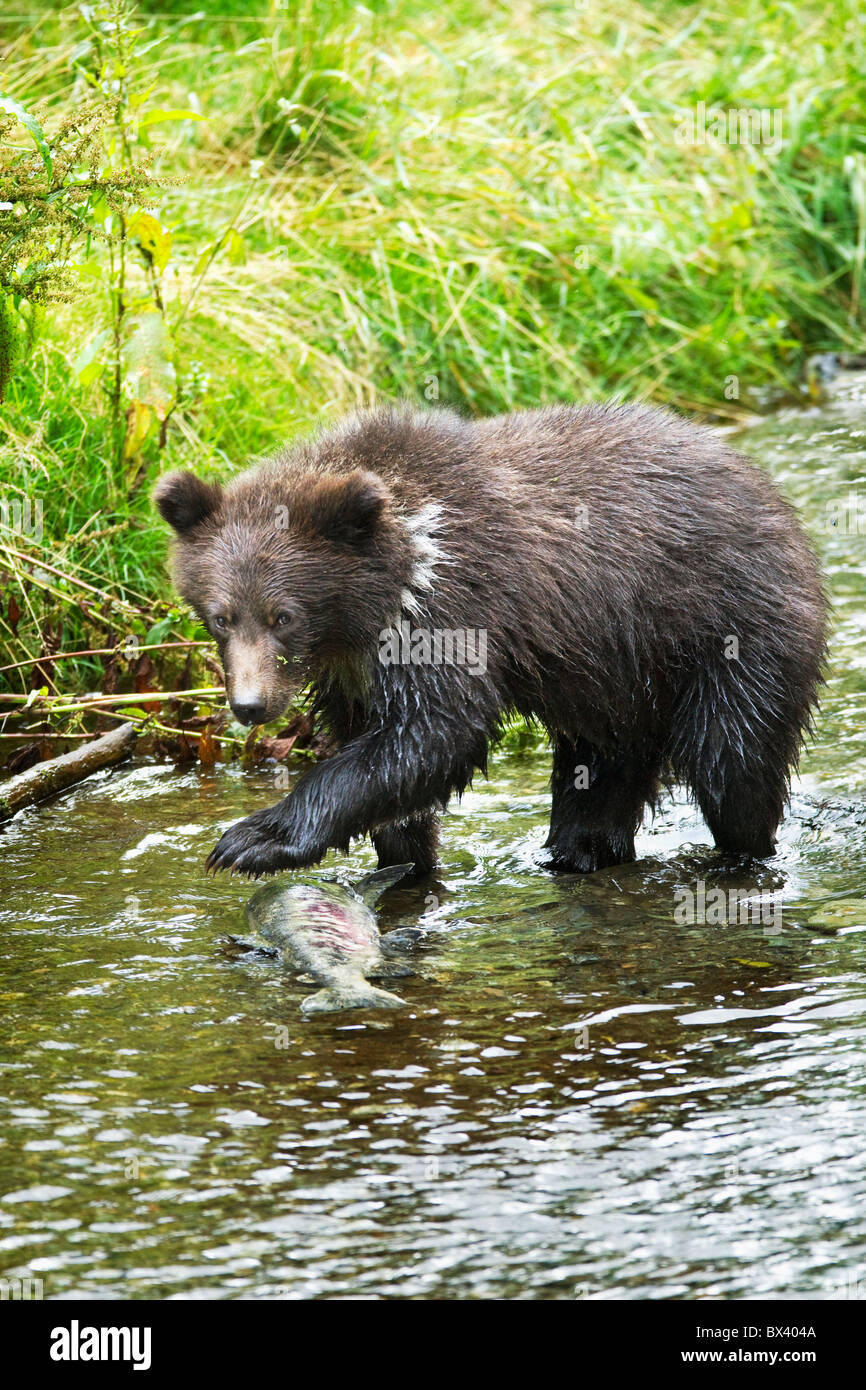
<point x="44" y="779"/>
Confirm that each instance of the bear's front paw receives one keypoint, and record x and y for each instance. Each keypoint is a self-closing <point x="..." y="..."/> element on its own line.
<point x="252" y="847"/>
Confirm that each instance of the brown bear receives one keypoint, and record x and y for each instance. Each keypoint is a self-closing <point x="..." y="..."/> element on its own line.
<point x="615" y="573"/>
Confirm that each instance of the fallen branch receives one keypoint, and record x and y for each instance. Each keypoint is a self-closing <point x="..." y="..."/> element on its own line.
<point x="38" y="736"/>
<point x="45" y="779"/>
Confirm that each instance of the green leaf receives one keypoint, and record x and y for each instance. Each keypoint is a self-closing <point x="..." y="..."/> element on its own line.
<point x="139" y="419"/>
<point x="87" y="365"/>
<point x="156" y="116"/>
<point x="151" y="236"/>
<point x="36" y="695"/>
<point x="149" y="375"/>
<point x="136" y="98"/>
<point x="159" y="631"/>
<point x="203" y="260"/>
<point x="636" y="294"/>
<point x="100" y="211"/>
<point x="14" y="108"/>
<point x="234" y="245"/>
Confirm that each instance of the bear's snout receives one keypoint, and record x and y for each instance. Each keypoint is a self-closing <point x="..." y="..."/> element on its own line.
<point x="259" y="687"/>
<point x="253" y="713"/>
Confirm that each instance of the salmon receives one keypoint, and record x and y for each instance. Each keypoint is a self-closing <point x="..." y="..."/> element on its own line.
<point x="330" y="933"/>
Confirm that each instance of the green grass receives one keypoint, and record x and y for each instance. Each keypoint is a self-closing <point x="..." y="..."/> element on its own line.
<point x="479" y="203"/>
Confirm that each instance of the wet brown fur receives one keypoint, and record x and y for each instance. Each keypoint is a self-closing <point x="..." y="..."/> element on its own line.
<point x="610" y="554"/>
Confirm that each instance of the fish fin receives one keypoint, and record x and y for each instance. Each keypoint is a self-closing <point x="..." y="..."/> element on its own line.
<point x="391" y="970"/>
<point x="354" y="996"/>
<point x="401" y="940"/>
<point x="255" y="946"/>
<point x="371" y="888"/>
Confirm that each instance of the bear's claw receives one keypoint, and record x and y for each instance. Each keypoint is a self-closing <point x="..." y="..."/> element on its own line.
<point x="251" y="848"/>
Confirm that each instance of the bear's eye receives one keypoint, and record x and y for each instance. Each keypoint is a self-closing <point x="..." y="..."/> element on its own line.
<point x="220" y="623"/>
<point x="284" y="619"/>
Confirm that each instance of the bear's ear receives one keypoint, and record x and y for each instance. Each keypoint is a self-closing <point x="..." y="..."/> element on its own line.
<point x="348" y="509"/>
<point x="185" y="500"/>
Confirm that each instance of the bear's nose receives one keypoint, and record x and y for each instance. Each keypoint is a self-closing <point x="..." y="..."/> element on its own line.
<point x="250" y="714"/>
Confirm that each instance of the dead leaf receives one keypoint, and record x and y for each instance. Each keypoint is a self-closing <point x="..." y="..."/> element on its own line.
<point x="208" y="748"/>
<point x="276" y="748"/>
<point x="144" y="674"/>
<point x="139" y="418"/>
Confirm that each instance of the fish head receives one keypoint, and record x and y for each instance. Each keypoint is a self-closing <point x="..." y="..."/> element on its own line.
<point x="251" y="940"/>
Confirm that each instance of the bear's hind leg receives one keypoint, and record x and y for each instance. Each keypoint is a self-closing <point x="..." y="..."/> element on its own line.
<point x="410" y="841"/>
<point x="742" y="805"/>
<point x="597" y="807"/>
<point x="742" y="737"/>
<point x="740" y="823"/>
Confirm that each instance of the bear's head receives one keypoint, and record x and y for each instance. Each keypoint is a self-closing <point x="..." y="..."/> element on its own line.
<point x="294" y="574"/>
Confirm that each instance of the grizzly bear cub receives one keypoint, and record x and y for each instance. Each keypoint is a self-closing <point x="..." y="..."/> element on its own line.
<point x="615" y="573"/>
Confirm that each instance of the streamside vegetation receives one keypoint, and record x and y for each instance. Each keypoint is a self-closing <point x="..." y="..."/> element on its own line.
<point x="219" y="229"/>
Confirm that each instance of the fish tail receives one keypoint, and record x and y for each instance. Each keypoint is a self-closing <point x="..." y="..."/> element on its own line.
<point x="354" y="996"/>
<point x="371" y="888"/>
